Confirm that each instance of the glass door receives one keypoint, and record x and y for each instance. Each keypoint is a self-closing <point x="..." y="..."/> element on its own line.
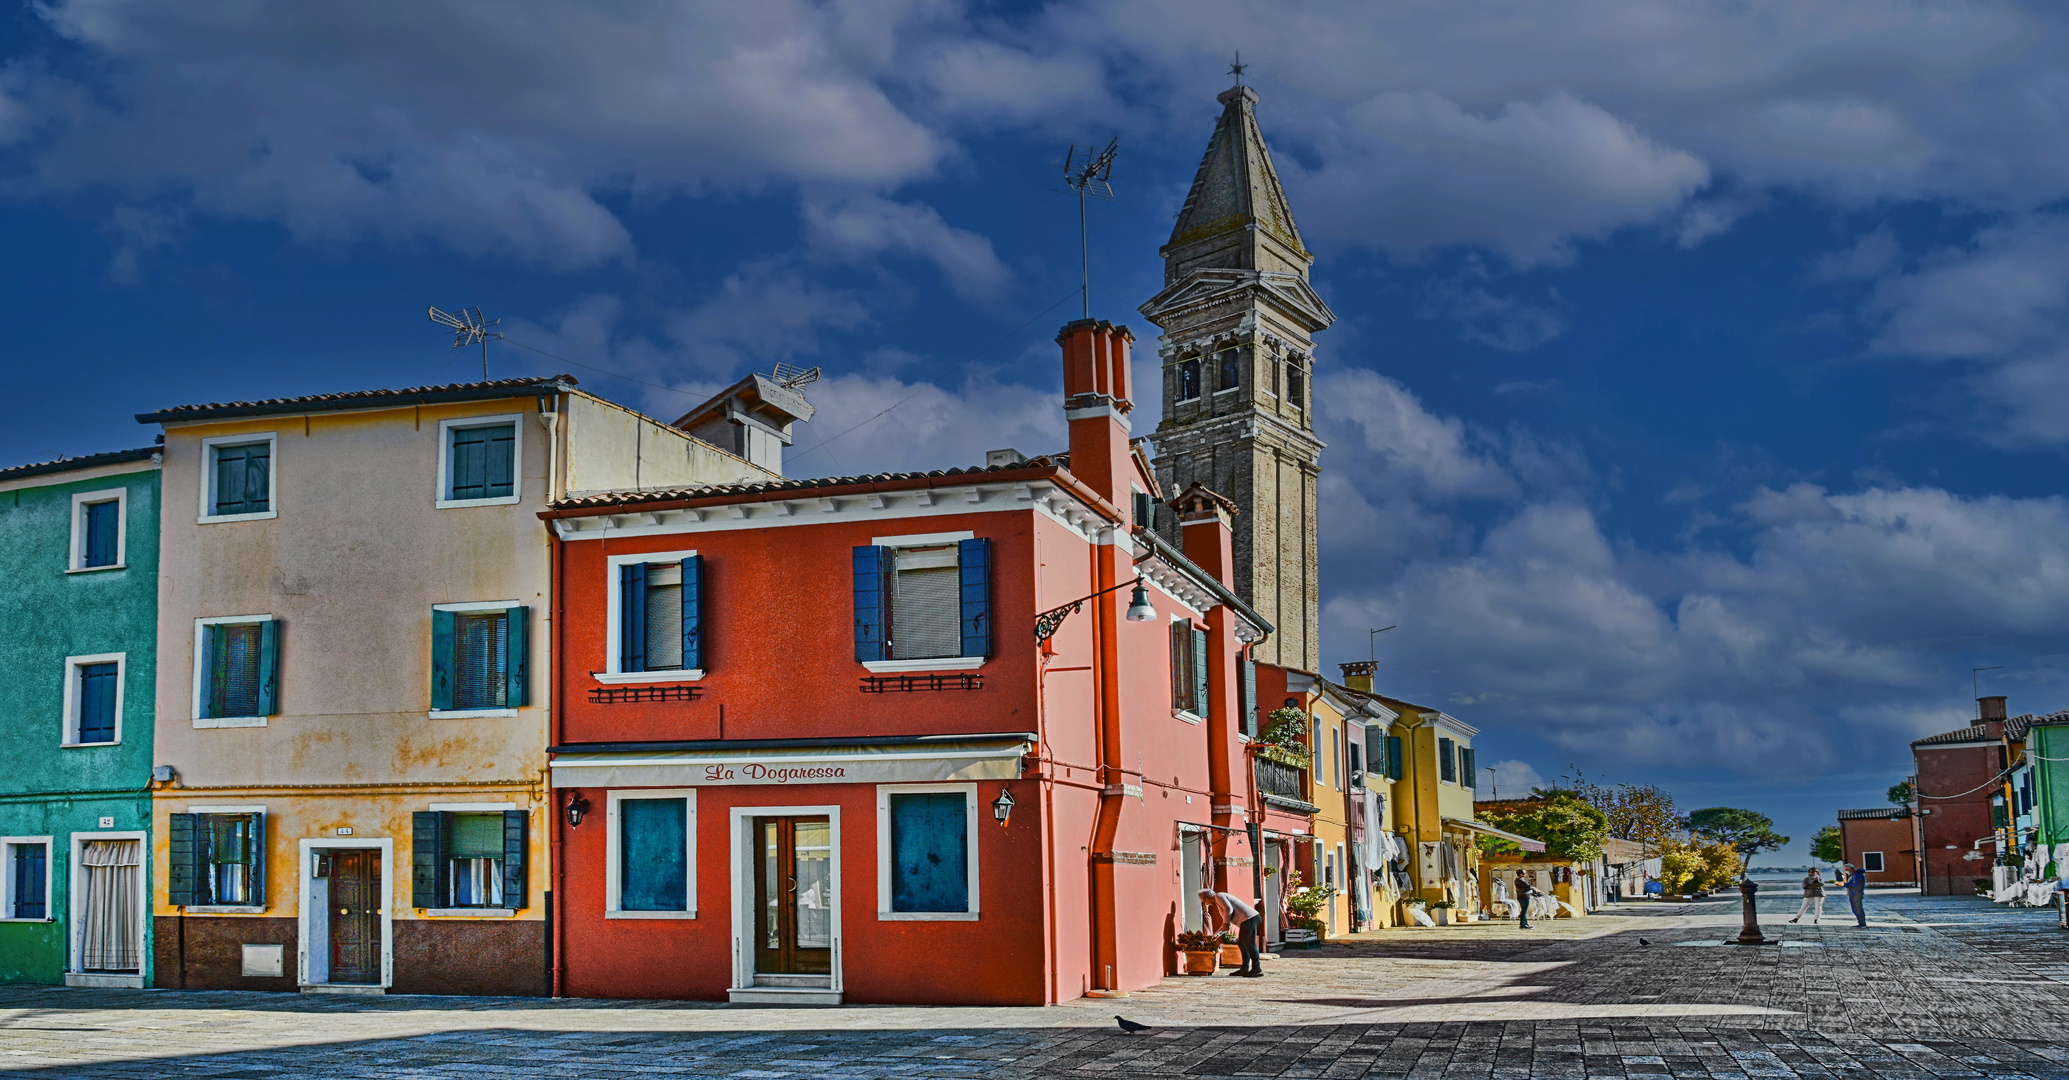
<point x="793" y="896"/>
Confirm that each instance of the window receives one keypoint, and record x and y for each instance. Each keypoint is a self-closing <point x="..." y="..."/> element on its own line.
<point x="478" y="659"/>
<point x="1229" y="370"/>
<point x="1357" y="763"/>
<point x="97" y="520"/>
<point x="218" y="859"/>
<point x="927" y="852"/>
<point x="1189" y="692"/>
<point x="1469" y="764"/>
<point x="923" y="599"/>
<point x="652" y="860"/>
<point x="656" y="625"/>
<point x="237" y="482"/>
<point x="1294" y="397"/>
<point x="478" y="461"/>
<point x="1447" y="763"/>
<point x="1871" y="861"/>
<point x="468" y="860"/>
<point x="1249" y="701"/>
<point x="93" y="699"/>
<point x="236" y="664"/>
<point x="1189" y="379"/>
<point x="1396" y="762"/>
<point x="25" y="878"/>
<point x="1145" y="509"/>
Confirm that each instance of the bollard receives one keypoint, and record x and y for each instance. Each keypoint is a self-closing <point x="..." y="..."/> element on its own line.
<point x="1749" y="930"/>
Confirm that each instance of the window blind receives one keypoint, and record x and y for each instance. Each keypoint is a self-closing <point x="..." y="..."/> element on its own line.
<point x="103" y="520"/>
<point x="480" y="668"/>
<point x="926" y="604"/>
<point x="235" y="660"/>
<point x="930" y="862"/>
<point x="475" y="836"/>
<point x="664" y="617"/>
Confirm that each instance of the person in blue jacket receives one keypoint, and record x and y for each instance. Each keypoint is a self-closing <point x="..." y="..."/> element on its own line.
<point x="1856" y="891"/>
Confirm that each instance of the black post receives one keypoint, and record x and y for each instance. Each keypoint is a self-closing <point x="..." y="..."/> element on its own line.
<point x="1749" y="930"/>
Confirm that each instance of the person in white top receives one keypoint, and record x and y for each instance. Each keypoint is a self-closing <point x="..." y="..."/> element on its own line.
<point x="1228" y="909"/>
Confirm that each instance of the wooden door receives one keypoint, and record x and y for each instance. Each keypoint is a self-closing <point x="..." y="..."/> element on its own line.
<point x="793" y="896"/>
<point x="355" y="916"/>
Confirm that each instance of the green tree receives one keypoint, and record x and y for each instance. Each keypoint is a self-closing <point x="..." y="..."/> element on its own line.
<point x="1901" y="793"/>
<point x="1745" y="832"/>
<point x="1568" y="825"/>
<point x="1644" y="813"/>
<point x="1825" y="846"/>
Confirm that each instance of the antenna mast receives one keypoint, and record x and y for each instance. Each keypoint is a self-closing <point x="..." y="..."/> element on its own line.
<point x="1087" y="172"/>
<point x="468" y="329"/>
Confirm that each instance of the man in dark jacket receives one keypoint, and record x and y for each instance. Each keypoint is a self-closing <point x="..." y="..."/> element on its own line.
<point x="1856" y="891"/>
<point x="1526" y="890"/>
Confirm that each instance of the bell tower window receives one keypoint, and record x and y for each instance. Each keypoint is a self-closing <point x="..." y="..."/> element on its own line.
<point x="1189" y="379"/>
<point x="1229" y="370"/>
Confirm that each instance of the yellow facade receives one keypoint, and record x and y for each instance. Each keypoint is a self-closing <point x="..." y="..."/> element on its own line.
<point x="1328" y="784"/>
<point x="1429" y="799"/>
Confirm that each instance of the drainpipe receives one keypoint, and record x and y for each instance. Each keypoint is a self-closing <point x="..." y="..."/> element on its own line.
<point x="1113" y="787"/>
<point x="556" y="902"/>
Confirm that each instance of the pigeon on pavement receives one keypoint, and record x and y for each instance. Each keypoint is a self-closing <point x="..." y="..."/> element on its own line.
<point x="1130" y="1026"/>
<point x="1642" y="941"/>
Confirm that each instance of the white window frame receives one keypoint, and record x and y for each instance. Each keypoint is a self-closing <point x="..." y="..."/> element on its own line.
<point x="80" y="501"/>
<point x="201" y="673"/>
<point x="939" y="663"/>
<point x="7" y="846"/>
<point x="71" y="718"/>
<point x="245" y="810"/>
<point x="1882" y="864"/>
<point x="440" y="500"/>
<point x="208" y="476"/>
<point x="613" y="625"/>
<point x="612" y="854"/>
<point x="476" y="607"/>
<point x="883" y="852"/>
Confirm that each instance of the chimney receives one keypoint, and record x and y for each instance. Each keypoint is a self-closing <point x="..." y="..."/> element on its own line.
<point x="1096" y="402"/>
<point x="1206" y="527"/>
<point x="1990" y="708"/>
<point x="1358" y="675"/>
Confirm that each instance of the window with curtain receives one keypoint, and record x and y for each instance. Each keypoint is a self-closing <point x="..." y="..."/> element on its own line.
<point x="100" y="527"/>
<point x="229" y="859"/>
<point x="463" y="859"/>
<point x="94" y="702"/>
<point x="930" y="854"/>
<point x="653" y="855"/>
<point x="237" y="669"/>
<point x="111" y="935"/>
<point x="481" y="462"/>
<point x="240" y="479"/>
<point x="474" y="854"/>
<point x="28" y="881"/>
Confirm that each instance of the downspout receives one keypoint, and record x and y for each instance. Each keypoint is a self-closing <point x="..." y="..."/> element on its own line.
<point x="556" y="930"/>
<point x="1113" y="789"/>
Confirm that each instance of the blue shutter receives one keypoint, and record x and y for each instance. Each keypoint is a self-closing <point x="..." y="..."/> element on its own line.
<point x="871" y="606"/>
<point x="183" y="870"/>
<point x="692" y="611"/>
<point x="1203" y="701"/>
<point x="444" y="661"/>
<point x="258" y="860"/>
<point x="632" y="617"/>
<point x="1470" y="765"/>
<point x="930" y="854"/>
<point x="1249" y="724"/>
<point x="467" y="464"/>
<point x="500" y="471"/>
<point x="269" y="668"/>
<point x="653" y="869"/>
<point x="96" y="702"/>
<point x="229" y="481"/>
<point x="1447" y="766"/>
<point x="103" y="530"/>
<point x="1394" y="764"/>
<point x="516" y="829"/>
<point x="973" y="558"/>
<point x="516" y="664"/>
<point x="427" y="859"/>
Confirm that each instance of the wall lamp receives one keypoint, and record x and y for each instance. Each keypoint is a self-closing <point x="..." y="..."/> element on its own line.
<point x="577" y="807"/>
<point x="1139" y="610"/>
<point x="1002" y="807"/>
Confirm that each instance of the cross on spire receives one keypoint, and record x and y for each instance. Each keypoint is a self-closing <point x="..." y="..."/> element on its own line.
<point x="1236" y="68"/>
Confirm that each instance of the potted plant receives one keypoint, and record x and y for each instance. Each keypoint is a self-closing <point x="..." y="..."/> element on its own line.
<point x="1231" y="953"/>
<point x="1201" y="950"/>
<point x="1304" y="909"/>
<point x="1440" y="910"/>
<point x="1284" y="739"/>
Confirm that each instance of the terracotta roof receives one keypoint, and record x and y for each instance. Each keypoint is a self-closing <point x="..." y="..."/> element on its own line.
<point x="362" y="399"/>
<point x="1972" y="733"/>
<point x="2053" y="719"/>
<point x="707" y="491"/>
<point x="1883" y="812"/>
<point x="70" y="464"/>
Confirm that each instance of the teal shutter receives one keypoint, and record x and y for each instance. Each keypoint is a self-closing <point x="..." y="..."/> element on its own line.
<point x="1469" y="764"/>
<point x="1447" y="766"/>
<point x="1203" y="702"/>
<point x="182" y="871"/>
<point x="444" y="658"/>
<point x="480" y="463"/>
<point x="653" y="866"/>
<point x="501" y="473"/>
<point x="1249" y="725"/>
<point x="872" y="602"/>
<point x="632" y="617"/>
<point x="1394" y="770"/>
<point x="257" y="855"/>
<point x="930" y="852"/>
<point x="973" y="560"/>
<point x="240" y="477"/>
<point x="516" y="824"/>
<point x="427" y="859"/>
<point x="516" y="660"/>
<point x="269" y="668"/>
<point x="692" y="613"/>
<point x="102" y="527"/>
<point x="96" y="702"/>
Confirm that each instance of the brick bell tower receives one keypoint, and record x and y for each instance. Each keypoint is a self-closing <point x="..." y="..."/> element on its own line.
<point x="1238" y="318"/>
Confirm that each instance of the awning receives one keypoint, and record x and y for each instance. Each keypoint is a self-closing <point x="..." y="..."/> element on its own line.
<point x="931" y="760"/>
<point x="1482" y="827"/>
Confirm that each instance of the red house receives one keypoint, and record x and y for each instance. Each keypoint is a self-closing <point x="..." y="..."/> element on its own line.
<point x="1958" y="773"/>
<point x="968" y="736"/>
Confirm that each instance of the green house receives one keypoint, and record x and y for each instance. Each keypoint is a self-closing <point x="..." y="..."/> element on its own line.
<point x="78" y="604"/>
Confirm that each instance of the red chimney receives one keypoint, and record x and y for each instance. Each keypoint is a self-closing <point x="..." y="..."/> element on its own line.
<point x="1206" y="529"/>
<point x="1990" y="708"/>
<point x="1096" y="402"/>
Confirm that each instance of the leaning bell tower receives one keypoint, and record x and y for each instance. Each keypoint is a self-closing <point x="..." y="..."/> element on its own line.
<point x="1238" y="318"/>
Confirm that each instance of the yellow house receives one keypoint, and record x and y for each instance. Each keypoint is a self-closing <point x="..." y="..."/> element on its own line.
<point x="353" y="696"/>
<point x="1328" y="789"/>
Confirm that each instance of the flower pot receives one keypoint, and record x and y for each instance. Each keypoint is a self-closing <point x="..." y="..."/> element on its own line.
<point x="1441" y="915"/>
<point x="1200" y="963"/>
<point x="1232" y="955"/>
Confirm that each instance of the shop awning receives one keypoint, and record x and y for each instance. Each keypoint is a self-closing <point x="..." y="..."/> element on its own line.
<point x="1482" y="827"/>
<point x="785" y="763"/>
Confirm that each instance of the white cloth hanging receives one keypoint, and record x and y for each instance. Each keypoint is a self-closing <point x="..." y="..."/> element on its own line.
<point x="112" y="933"/>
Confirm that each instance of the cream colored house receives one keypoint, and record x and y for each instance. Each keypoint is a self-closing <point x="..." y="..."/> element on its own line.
<point x="353" y="693"/>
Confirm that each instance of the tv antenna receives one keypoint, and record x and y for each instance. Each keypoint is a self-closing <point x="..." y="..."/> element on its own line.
<point x="469" y="329"/>
<point x="1087" y="172"/>
<point x="790" y="378"/>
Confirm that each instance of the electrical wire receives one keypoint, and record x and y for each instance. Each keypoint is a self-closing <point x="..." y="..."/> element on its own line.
<point x="1993" y="780"/>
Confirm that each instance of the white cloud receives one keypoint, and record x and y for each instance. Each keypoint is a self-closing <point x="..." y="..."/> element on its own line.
<point x="880" y="423"/>
<point x="1412" y="449"/>
<point x="863" y="226"/>
<point x="1516" y="778"/>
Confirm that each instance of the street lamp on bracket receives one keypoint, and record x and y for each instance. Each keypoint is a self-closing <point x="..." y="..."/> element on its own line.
<point x="1139" y="610"/>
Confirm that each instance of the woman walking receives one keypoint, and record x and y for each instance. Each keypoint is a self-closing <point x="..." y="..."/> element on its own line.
<point x="1813" y="897"/>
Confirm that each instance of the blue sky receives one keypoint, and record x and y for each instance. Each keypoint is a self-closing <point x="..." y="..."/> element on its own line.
<point x="1696" y="408"/>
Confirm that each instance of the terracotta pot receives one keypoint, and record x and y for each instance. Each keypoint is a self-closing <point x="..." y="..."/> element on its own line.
<point x="1232" y="955"/>
<point x="1200" y="963"/>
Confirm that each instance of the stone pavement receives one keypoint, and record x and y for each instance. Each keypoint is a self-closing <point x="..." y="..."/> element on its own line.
<point x="1935" y="987"/>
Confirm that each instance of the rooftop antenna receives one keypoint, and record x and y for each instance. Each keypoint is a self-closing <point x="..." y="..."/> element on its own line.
<point x="790" y="378"/>
<point x="1372" y="642"/>
<point x="1087" y="172"/>
<point x="468" y="329"/>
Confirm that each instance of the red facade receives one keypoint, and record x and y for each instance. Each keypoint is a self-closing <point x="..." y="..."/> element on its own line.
<point x="820" y="776"/>
<point x="1958" y="774"/>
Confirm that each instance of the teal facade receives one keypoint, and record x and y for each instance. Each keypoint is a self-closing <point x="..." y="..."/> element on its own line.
<point x="78" y="593"/>
<point x="2047" y="754"/>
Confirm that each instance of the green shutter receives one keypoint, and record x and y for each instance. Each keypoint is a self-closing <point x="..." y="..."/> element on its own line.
<point x="269" y="668"/>
<point x="692" y="612"/>
<point x="1470" y="766"/>
<point x="427" y="859"/>
<point x="444" y="644"/>
<point x="1181" y="667"/>
<point x="515" y="826"/>
<point x="183" y="837"/>
<point x="517" y="659"/>
<point x="1203" y="701"/>
<point x="632" y="617"/>
<point x="1249" y="725"/>
<point x="872" y="606"/>
<point x="973" y="563"/>
<point x="258" y="860"/>
<point x="1394" y="771"/>
<point x="1447" y="766"/>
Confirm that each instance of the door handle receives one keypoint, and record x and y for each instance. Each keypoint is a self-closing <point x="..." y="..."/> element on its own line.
<point x="793" y="884"/>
